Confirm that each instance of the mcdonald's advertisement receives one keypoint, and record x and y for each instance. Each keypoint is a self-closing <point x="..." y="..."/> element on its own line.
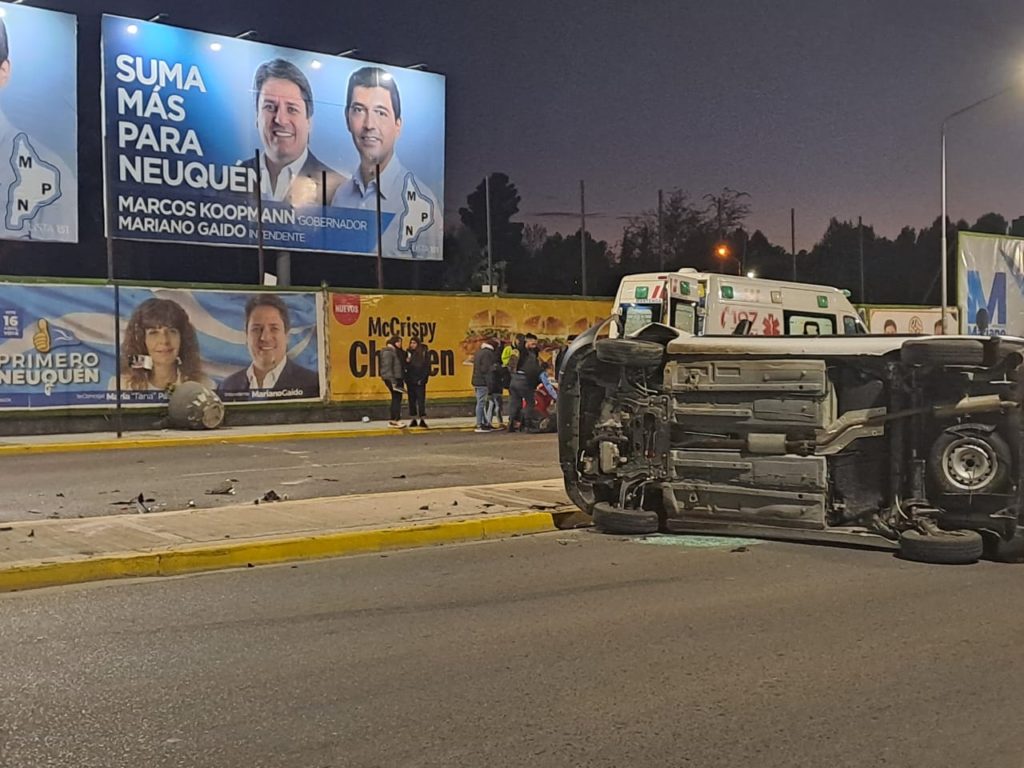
<point x="220" y="141"/>
<point x="453" y="328"/>
<point x="58" y="345"/>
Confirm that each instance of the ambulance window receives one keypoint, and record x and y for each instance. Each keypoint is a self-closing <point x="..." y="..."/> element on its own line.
<point x="851" y="326"/>
<point x="684" y="316"/>
<point x="636" y="316"/>
<point x="809" y="324"/>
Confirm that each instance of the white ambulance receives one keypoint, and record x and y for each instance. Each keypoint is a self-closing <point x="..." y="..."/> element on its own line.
<point x="710" y="304"/>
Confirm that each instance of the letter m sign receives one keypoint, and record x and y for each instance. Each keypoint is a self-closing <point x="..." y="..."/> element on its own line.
<point x="994" y="303"/>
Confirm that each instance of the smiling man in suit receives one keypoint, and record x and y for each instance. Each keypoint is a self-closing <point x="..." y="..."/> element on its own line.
<point x="290" y="172"/>
<point x="266" y="328"/>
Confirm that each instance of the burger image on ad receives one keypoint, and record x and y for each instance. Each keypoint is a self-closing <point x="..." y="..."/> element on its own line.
<point x="487" y="323"/>
<point x="550" y="331"/>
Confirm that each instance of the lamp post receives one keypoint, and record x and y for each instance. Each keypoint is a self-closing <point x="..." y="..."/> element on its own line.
<point x="942" y="222"/>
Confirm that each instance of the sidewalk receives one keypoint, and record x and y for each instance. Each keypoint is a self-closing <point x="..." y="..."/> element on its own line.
<point x="167" y="438"/>
<point x="56" y="552"/>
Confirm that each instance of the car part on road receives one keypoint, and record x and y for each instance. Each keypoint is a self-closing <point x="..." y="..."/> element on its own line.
<point x="611" y="519"/>
<point x="193" y="406"/>
<point x="944" y="547"/>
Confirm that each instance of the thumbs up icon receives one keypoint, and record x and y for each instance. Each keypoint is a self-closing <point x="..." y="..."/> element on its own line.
<point x="41" y="338"/>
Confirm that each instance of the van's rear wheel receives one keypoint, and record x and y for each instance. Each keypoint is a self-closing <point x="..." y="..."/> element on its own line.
<point x="943" y="352"/>
<point x="970" y="461"/>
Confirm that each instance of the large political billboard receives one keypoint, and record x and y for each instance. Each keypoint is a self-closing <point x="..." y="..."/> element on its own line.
<point x="219" y="141"/>
<point x="990" y="284"/>
<point x="38" y="125"/>
<point x="57" y="345"/>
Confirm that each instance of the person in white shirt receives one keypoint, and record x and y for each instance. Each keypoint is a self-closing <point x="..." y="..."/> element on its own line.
<point x="289" y="172"/>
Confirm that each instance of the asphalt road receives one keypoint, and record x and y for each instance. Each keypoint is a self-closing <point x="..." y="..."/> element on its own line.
<point x="38" y="486"/>
<point x="567" y="649"/>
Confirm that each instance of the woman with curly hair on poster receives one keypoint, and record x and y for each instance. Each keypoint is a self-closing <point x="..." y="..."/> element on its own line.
<point x="160" y="348"/>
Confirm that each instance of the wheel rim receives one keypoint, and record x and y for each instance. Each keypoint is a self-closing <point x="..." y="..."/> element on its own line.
<point x="970" y="463"/>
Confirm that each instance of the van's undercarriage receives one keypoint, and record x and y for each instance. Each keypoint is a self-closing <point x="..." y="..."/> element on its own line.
<point x="910" y="442"/>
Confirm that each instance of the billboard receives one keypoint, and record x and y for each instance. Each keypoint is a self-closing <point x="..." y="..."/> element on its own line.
<point x="990" y="283"/>
<point x="911" y="320"/>
<point x="57" y="345"/>
<point x="186" y="113"/>
<point x="38" y="125"/>
<point x="452" y="327"/>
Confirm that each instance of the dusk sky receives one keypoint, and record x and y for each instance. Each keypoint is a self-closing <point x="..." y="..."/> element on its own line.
<point x="831" y="109"/>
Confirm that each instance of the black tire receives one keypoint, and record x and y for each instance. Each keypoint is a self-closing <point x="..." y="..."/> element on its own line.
<point x="970" y="461"/>
<point x="945" y="547"/>
<point x="943" y="352"/>
<point x="632" y="352"/>
<point x="612" y="519"/>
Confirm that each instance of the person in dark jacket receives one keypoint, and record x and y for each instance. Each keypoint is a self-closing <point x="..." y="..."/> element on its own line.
<point x="483" y="363"/>
<point x="525" y="377"/>
<point x="417" y="371"/>
<point x="392" y="371"/>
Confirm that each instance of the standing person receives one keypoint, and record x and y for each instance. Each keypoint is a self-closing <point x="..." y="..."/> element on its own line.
<point x="497" y="381"/>
<point x="525" y="377"/>
<point x="417" y="371"/>
<point x="373" y="114"/>
<point x="392" y="371"/>
<point x="483" y="363"/>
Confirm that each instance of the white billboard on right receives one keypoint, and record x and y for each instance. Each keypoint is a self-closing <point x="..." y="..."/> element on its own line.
<point x="990" y="284"/>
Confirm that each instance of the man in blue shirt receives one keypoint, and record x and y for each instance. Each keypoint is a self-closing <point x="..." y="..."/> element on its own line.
<point x="373" y="111"/>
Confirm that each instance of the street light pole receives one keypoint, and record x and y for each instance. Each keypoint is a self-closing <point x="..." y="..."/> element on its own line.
<point x="942" y="221"/>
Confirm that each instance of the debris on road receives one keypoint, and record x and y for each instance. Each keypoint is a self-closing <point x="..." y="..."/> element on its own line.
<point x="398" y="477"/>
<point x="425" y="506"/>
<point x="191" y="503"/>
<point x="6" y="528"/>
<point x="271" y="495"/>
<point x="31" y="533"/>
<point x="227" y="488"/>
<point x="140" y="504"/>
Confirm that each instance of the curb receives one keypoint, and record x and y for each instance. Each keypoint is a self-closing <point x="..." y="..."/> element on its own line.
<point x="246" y="554"/>
<point x="212" y="439"/>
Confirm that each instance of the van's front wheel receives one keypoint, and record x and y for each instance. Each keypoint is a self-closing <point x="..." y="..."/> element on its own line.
<point x="634" y="353"/>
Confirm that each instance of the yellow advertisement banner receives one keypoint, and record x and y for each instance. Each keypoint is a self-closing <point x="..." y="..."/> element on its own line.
<point x="452" y="327"/>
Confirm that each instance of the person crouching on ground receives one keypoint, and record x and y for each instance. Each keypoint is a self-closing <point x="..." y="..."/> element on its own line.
<point x="483" y="363"/>
<point x="417" y="371"/>
<point x="392" y="371"/>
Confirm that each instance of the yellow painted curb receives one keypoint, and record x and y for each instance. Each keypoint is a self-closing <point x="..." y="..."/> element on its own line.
<point x="213" y="438"/>
<point x="267" y="551"/>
